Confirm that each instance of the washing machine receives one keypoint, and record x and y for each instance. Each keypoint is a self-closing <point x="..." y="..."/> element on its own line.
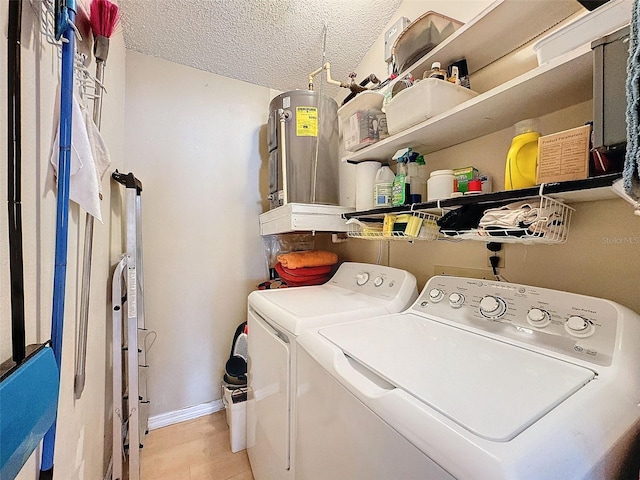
<point x="477" y="380"/>
<point x="275" y="319"/>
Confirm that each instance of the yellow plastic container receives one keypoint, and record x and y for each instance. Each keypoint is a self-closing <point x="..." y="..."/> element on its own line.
<point x="522" y="158"/>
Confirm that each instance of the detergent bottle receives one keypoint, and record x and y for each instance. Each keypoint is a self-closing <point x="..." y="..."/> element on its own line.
<point x="522" y="158"/>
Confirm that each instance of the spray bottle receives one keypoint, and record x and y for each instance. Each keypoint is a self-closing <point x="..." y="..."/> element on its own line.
<point x="399" y="194"/>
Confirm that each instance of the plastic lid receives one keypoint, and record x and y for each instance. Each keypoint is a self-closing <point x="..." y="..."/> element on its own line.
<point x="526" y="126"/>
<point x="435" y="65"/>
<point x="441" y="172"/>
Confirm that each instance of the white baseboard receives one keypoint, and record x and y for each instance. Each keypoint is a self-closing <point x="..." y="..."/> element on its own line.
<point x="170" y="418"/>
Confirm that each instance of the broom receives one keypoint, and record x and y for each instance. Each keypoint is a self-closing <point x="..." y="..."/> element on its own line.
<point x="104" y="17"/>
<point x="66" y="17"/>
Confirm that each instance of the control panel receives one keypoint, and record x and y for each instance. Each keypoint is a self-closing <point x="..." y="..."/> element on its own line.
<point x="576" y="325"/>
<point x="374" y="280"/>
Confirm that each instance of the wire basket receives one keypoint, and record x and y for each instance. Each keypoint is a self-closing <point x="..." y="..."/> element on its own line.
<point x="537" y="220"/>
<point x="408" y="227"/>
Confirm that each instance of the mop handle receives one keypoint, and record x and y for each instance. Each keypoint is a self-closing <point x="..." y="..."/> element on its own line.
<point x="62" y="219"/>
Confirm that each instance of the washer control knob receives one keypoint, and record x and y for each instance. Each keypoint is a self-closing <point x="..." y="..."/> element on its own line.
<point x="362" y="278"/>
<point x="538" y="318"/>
<point x="435" y="295"/>
<point x="378" y="281"/>
<point x="492" y="307"/>
<point x="456" y="300"/>
<point x="578" y="326"/>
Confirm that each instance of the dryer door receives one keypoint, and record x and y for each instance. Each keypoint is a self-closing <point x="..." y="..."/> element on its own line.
<point x="268" y="402"/>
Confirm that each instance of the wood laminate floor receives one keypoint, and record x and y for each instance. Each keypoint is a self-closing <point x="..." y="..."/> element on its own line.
<point x="195" y="450"/>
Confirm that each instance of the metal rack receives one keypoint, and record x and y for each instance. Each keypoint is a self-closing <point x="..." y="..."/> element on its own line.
<point x="415" y="226"/>
<point x="547" y="223"/>
<point x="553" y="196"/>
<point x="130" y="400"/>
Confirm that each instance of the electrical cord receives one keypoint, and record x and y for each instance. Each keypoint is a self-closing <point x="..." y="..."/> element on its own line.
<point x="495" y="260"/>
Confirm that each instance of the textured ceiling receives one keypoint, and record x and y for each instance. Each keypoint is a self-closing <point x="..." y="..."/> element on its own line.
<point x="273" y="43"/>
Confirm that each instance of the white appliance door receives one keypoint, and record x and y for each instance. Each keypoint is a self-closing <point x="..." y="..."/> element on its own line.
<point x="268" y="402"/>
<point x="493" y="389"/>
<point x="338" y="438"/>
<point x="295" y="309"/>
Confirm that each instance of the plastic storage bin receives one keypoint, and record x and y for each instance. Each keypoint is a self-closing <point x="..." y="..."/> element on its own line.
<point x="421" y="36"/>
<point x="426" y="99"/>
<point x="361" y="129"/>
<point x="235" y="404"/>
<point x="603" y="20"/>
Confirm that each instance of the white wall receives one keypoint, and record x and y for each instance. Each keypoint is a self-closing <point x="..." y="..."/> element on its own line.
<point x="194" y="140"/>
<point x="81" y="423"/>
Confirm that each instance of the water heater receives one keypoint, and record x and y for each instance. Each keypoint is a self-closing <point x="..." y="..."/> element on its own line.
<point x="303" y="149"/>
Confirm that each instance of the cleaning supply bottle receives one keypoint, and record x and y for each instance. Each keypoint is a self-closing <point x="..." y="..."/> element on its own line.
<point x="522" y="158"/>
<point x="436" y="72"/>
<point x="399" y="187"/>
<point x="382" y="187"/>
<point x="414" y="180"/>
<point x="455" y="76"/>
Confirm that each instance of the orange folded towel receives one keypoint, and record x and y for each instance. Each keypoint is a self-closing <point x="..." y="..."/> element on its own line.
<point x="310" y="258"/>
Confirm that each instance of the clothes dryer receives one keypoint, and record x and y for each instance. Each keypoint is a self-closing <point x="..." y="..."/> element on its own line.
<point x="275" y="319"/>
<point x="477" y="380"/>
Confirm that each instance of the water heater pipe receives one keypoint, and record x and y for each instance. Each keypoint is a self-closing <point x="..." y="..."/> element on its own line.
<point x="284" y="115"/>
<point x="327" y="67"/>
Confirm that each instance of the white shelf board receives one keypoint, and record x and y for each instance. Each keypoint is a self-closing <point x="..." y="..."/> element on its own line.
<point x="560" y="83"/>
<point x="590" y="195"/>
<point x="302" y="217"/>
<point x="501" y="28"/>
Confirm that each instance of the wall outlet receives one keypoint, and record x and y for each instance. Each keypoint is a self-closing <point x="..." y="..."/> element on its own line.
<point x="463" y="272"/>
<point x="500" y="256"/>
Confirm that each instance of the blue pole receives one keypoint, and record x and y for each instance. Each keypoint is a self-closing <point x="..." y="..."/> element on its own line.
<point x="62" y="219"/>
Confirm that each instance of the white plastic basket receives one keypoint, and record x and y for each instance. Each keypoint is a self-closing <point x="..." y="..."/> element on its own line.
<point x="595" y="24"/>
<point x="426" y="99"/>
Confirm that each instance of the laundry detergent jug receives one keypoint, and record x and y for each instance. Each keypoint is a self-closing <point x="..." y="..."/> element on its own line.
<point x="522" y="158"/>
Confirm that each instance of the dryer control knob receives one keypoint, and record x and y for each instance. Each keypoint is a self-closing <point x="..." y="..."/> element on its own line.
<point x="456" y="300"/>
<point x="378" y="281"/>
<point x="435" y="295"/>
<point x="538" y="318"/>
<point x="362" y="278"/>
<point x="492" y="307"/>
<point x="578" y="326"/>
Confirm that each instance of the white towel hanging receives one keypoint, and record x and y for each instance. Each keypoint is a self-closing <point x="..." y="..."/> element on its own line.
<point x="83" y="183"/>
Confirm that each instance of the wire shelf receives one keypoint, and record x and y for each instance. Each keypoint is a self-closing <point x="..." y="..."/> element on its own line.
<point x="537" y="220"/>
<point x="408" y="227"/>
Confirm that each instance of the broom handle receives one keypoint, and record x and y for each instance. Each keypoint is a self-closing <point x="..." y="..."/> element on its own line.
<point x="83" y="327"/>
<point x="62" y="219"/>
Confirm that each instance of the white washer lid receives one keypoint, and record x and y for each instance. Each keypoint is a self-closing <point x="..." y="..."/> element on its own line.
<point x="295" y="309"/>
<point x="493" y="389"/>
